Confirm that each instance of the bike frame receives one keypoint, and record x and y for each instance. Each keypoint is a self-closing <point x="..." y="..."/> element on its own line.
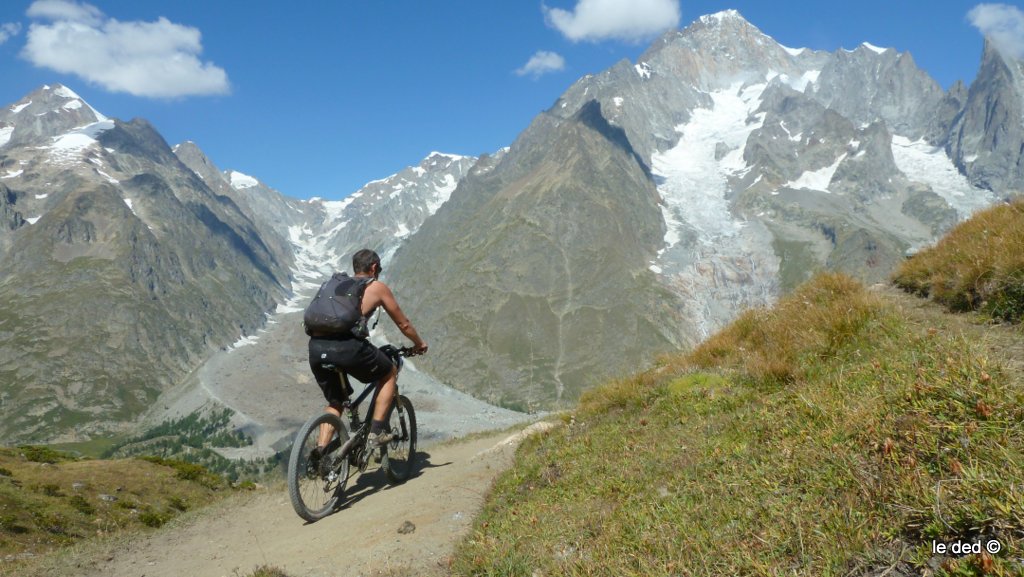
<point x="352" y="406"/>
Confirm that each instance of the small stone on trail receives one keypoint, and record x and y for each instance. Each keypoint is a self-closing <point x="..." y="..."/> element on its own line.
<point x="407" y="528"/>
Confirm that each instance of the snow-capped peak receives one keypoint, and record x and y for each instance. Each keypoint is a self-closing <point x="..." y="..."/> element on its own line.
<point x="794" y="51"/>
<point x="867" y="46"/>
<point x="719" y="17"/>
<point x="874" y="48"/>
<point x="74" y="101"/>
<point x="240" y="181"/>
<point x="65" y="92"/>
<point x="445" y="155"/>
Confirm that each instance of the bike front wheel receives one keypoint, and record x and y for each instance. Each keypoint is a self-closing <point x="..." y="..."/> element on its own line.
<point x="400" y="455"/>
<point x="316" y="480"/>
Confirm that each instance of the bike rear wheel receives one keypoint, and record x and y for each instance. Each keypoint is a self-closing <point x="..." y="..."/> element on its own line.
<point x="316" y="484"/>
<point x="400" y="455"/>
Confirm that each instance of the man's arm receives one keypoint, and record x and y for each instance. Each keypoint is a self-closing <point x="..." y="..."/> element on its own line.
<point x="387" y="300"/>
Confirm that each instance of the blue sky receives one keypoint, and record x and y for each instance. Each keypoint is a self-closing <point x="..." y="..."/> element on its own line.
<point x="318" y="98"/>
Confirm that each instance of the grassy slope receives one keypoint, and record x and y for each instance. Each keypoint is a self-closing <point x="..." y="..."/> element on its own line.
<point x="831" y="435"/>
<point x="979" y="265"/>
<point x="49" y="500"/>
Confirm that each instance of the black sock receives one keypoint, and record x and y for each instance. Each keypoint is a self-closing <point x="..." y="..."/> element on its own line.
<point x="376" y="427"/>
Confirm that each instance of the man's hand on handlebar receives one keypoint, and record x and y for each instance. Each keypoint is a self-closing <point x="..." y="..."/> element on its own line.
<point x="418" y="350"/>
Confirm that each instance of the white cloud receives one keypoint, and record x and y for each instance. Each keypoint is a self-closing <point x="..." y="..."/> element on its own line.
<point x="154" y="59"/>
<point x="1003" y="25"/>
<point x="66" y="10"/>
<point x="541" y="63"/>
<point x="629" y="20"/>
<point x="8" y="30"/>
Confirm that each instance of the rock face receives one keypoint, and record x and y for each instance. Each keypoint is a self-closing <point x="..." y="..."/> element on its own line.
<point x="988" y="136"/>
<point x="870" y="84"/>
<point x="519" y="279"/>
<point x="120" y="269"/>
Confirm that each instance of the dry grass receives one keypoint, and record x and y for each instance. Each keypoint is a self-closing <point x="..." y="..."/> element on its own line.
<point x="770" y="345"/>
<point x="979" y="265"/>
<point x="828" y="436"/>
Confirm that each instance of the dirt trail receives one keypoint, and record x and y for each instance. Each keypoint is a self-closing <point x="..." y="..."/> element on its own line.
<point x="361" y="539"/>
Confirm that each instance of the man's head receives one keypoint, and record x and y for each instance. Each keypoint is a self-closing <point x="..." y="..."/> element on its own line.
<point x="366" y="262"/>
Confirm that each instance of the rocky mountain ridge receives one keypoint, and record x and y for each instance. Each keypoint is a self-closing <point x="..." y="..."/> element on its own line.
<point x="987" y="136"/>
<point x="106" y="299"/>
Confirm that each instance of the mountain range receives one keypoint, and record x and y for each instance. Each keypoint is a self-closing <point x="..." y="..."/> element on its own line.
<point x="655" y="200"/>
<point x="649" y="205"/>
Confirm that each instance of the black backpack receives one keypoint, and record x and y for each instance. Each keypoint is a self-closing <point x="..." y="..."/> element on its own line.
<point x="336" y="310"/>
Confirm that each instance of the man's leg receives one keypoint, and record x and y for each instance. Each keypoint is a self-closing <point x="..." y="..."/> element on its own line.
<point x="385" y="396"/>
<point x="326" y="430"/>
<point x="329" y="381"/>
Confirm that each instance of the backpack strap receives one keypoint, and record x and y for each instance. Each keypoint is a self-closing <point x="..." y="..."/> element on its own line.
<point x="377" y="320"/>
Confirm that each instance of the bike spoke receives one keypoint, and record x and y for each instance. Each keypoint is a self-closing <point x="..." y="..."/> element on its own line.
<point x="317" y="478"/>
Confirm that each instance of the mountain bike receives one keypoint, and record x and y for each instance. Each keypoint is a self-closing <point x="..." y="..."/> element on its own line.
<point x="317" y="478"/>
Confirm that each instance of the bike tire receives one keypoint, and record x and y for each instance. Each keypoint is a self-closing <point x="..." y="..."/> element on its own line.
<point x="315" y="491"/>
<point x="400" y="455"/>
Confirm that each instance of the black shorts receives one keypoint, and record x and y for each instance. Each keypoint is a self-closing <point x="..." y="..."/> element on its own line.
<point x="359" y="358"/>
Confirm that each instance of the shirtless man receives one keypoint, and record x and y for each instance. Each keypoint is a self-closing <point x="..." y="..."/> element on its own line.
<point x="358" y="357"/>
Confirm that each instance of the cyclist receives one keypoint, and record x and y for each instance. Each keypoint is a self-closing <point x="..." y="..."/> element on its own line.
<point x="358" y="357"/>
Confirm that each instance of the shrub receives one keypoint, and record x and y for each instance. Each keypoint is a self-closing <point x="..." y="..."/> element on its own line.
<point x="51" y="490"/>
<point x="40" y="454"/>
<point x="189" y="472"/>
<point x="51" y="523"/>
<point x="177" y="503"/>
<point x="155" y="519"/>
<point x="9" y="524"/>
<point x="82" y="505"/>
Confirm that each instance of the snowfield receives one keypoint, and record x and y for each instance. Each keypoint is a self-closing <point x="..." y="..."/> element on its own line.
<point x="929" y="164"/>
